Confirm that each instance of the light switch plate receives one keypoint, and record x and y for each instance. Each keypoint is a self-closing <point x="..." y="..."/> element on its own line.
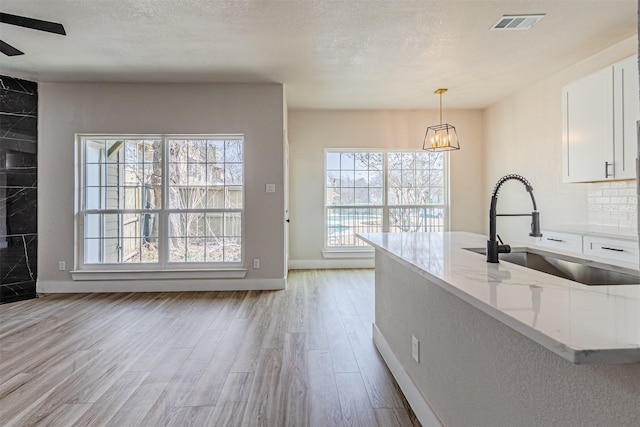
<point x="415" y="349"/>
<point x="270" y="188"/>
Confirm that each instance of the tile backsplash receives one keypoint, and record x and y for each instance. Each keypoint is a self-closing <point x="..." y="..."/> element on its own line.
<point x="613" y="204"/>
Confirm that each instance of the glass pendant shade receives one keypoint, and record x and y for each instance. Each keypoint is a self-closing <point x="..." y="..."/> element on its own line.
<point x="442" y="137"/>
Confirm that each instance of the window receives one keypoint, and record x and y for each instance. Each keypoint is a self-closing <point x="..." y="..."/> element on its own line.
<point x="161" y="201"/>
<point x="375" y="191"/>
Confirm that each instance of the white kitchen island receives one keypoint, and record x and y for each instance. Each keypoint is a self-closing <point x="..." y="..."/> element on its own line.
<point x="500" y="344"/>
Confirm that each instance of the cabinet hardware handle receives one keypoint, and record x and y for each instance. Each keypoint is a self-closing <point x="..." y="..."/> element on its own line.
<point x="606" y="170"/>
<point x="555" y="240"/>
<point x="612" y="249"/>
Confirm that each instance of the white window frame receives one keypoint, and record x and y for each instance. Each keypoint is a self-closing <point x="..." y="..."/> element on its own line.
<point x="164" y="268"/>
<point x="355" y="251"/>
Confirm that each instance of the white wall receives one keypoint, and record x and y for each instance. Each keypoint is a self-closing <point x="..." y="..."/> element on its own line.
<point x="311" y="131"/>
<point x="255" y="110"/>
<point x="523" y="134"/>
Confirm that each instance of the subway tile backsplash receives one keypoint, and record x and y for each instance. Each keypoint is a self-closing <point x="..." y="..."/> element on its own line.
<point x="613" y="204"/>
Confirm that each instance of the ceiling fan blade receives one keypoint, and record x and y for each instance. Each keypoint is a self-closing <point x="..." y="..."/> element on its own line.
<point x="35" y="24"/>
<point x="9" y="50"/>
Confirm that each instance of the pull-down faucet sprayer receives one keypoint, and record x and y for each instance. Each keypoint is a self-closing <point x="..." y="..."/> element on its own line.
<point x="493" y="248"/>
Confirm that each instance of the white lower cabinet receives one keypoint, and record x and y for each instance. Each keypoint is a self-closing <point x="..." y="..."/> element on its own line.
<point x="562" y="241"/>
<point x="618" y="249"/>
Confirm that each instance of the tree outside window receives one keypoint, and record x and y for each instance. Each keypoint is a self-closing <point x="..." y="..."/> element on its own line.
<point x="162" y="200"/>
<point x="375" y="191"/>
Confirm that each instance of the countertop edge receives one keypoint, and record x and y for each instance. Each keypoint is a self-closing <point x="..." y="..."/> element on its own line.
<point x="575" y="356"/>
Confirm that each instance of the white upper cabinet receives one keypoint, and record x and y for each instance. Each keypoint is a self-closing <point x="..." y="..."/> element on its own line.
<point x="588" y="127"/>
<point x="626" y="113"/>
<point x="599" y="124"/>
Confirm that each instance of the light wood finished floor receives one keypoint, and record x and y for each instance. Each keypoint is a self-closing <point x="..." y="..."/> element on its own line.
<point x="300" y="357"/>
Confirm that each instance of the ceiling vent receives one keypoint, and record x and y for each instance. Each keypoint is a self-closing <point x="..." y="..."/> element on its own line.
<point x="516" y="22"/>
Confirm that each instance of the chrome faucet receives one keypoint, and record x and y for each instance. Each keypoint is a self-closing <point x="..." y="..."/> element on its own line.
<point x="493" y="248"/>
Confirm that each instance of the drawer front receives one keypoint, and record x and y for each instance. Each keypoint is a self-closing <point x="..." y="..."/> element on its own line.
<point x="561" y="241"/>
<point x="621" y="250"/>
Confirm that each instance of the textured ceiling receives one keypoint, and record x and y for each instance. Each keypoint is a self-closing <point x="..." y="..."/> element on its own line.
<point x="328" y="54"/>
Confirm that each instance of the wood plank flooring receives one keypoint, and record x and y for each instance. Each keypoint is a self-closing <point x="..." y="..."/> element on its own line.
<point x="300" y="357"/>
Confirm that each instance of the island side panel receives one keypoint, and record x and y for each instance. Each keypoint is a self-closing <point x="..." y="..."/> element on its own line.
<point x="474" y="370"/>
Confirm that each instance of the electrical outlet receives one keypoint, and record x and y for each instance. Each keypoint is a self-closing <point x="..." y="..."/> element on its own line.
<point x="256" y="263"/>
<point x="62" y="266"/>
<point x="415" y="349"/>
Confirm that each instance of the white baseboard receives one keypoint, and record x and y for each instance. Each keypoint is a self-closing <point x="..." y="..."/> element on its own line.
<point x="419" y="403"/>
<point x="159" y="285"/>
<point x="321" y="264"/>
<point x="334" y="253"/>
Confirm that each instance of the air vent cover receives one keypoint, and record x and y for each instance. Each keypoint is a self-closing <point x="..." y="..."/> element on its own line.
<point x="516" y="22"/>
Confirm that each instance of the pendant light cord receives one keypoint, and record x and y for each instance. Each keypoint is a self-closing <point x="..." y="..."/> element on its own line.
<point x="440" y="108"/>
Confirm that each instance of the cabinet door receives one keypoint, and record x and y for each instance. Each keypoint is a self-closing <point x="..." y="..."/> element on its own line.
<point x="587" y="139"/>
<point x="563" y="241"/>
<point x="618" y="249"/>
<point x="626" y="114"/>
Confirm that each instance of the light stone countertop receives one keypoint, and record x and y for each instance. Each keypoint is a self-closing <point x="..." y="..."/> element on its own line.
<point x="583" y="324"/>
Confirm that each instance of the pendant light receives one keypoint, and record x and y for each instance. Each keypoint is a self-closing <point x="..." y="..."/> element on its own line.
<point x="442" y="137"/>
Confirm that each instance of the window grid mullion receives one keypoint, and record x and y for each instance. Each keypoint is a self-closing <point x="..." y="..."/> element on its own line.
<point x="103" y="195"/>
<point x="385" y="189"/>
<point x="163" y="238"/>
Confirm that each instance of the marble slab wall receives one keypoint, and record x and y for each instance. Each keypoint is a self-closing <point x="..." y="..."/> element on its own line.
<point x="18" y="188"/>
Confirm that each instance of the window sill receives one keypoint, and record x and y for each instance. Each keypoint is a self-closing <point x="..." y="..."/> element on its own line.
<point x="220" y="273"/>
<point x="348" y="253"/>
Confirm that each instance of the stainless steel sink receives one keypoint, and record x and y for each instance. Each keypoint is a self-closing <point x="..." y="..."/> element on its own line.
<point x="576" y="269"/>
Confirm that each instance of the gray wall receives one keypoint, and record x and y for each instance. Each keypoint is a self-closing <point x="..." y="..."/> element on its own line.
<point x="255" y="110"/>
